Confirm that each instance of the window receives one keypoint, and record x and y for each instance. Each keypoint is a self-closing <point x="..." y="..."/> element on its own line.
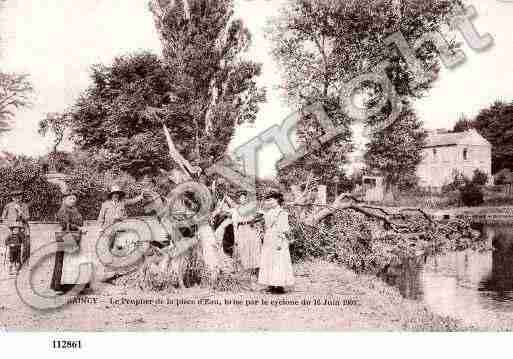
<point x="435" y="154"/>
<point x="465" y="154"/>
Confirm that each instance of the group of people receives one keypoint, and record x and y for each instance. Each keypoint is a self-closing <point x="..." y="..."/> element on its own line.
<point x="262" y="251"/>
<point x="113" y="210"/>
<point x="15" y="216"/>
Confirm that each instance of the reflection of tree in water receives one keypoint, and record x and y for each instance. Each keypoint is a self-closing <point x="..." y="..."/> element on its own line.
<point x="500" y="280"/>
<point x="406" y="277"/>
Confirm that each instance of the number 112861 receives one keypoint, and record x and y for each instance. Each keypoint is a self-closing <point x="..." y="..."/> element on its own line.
<point x="66" y="344"/>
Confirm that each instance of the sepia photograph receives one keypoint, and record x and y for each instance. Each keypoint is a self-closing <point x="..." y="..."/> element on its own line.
<point x="255" y="166"/>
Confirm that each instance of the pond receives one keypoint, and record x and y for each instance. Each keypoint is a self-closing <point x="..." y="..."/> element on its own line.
<point x="476" y="288"/>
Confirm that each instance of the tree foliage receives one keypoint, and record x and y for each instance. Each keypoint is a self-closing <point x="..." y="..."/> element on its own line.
<point x="322" y="164"/>
<point x="43" y="198"/>
<point x="396" y="151"/>
<point x="494" y="123"/>
<point x="214" y="83"/>
<point x="110" y="119"/>
<point x="479" y="177"/>
<point x="15" y="93"/>
<point x="321" y="45"/>
<point x="56" y="124"/>
<point x="112" y="122"/>
<point x="463" y="124"/>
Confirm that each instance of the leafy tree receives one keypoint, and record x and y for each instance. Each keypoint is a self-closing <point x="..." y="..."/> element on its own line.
<point x="213" y="84"/>
<point x="395" y="151"/>
<point x="323" y="164"/>
<point x="15" y="91"/>
<point x="321" y="45"/>
<point x="42" y="197"/>
<point x="504" y="176"/>
<point x="56" y="124"/>
<point x="302" y="45"/>
<point x="112" y="120"/>
<point x="495" y="123"/>
<point x="471" y="195"/>
<point x="59" y="161"/>
<point x="479" y="177"/>
<point x="201" y="89"/>
<point x="463" y="124"/>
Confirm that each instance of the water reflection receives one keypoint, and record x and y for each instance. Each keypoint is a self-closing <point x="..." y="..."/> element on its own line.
<point x="466" y="285"/>
<point x="499" y="283"/>
<point x="407" y="277"/>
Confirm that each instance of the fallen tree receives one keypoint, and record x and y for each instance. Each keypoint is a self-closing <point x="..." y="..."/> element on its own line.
<point x="369" y="238"/>
<point x="363" y="237"/>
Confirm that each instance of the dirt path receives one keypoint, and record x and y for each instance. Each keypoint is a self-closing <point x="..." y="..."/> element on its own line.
<point x="355" y="303"/>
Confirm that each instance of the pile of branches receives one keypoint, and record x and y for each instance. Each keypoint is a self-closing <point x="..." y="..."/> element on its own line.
<point x="364" y="238"/>
<point x="370" y="239"/>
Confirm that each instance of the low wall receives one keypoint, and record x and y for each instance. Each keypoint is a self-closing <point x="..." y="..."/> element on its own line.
<point x="42" y="233"/>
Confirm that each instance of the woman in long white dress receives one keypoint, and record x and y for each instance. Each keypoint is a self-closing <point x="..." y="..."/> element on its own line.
<point x="247" y="237"/>
<point x="276" y="265"/>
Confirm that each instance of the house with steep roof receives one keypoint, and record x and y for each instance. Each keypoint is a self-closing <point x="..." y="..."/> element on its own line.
<point x="446" y="154"/>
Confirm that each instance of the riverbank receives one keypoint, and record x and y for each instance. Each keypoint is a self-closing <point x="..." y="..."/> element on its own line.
<point x="345" y="301"/>
<point x="481" y="215"/>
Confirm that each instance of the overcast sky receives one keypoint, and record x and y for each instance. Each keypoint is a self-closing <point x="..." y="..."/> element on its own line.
<point x="56" y="42"/>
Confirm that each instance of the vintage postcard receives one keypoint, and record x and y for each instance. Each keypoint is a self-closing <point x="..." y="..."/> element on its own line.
<point x="256" y="165"/>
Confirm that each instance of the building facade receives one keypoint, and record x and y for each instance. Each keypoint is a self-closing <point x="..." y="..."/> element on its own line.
<point x="447" y="154"/>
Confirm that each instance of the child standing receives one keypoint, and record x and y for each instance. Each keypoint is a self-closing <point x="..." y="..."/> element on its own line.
<point x="14" y="242"/>
<point x="18" y="212"/>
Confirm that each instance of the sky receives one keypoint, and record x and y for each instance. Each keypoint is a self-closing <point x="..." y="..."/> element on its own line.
<point x="56" y="42"/>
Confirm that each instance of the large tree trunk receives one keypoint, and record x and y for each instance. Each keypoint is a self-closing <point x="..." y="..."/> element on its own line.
<point x="192" y="261"/>
<point x="209" y="251"/>
<point x="346" y="201"/>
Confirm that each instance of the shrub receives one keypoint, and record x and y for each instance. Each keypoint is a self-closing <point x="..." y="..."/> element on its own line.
<point x="365" y="245"/>
<point x="503" y="177"/>
<point x="42" y="197"/>
<point x="471" y="195"/>
<point x="458" y="181"/>
<point x="479" y="178"/>
<point x="332" y="239"/>
<point x="92" y="188"/>
<point x="59" y="161"/>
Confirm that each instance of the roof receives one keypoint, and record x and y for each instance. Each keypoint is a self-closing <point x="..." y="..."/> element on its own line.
<point x="470" y="137"/>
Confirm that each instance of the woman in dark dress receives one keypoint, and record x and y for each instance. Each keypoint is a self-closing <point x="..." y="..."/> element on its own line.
<point x="70" y="220"/>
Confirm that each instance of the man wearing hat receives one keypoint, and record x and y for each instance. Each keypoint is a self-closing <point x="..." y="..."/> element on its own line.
<point x="114" y="209"/>
<point x="16" y="215"/>
<point x="16" y="210"/>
